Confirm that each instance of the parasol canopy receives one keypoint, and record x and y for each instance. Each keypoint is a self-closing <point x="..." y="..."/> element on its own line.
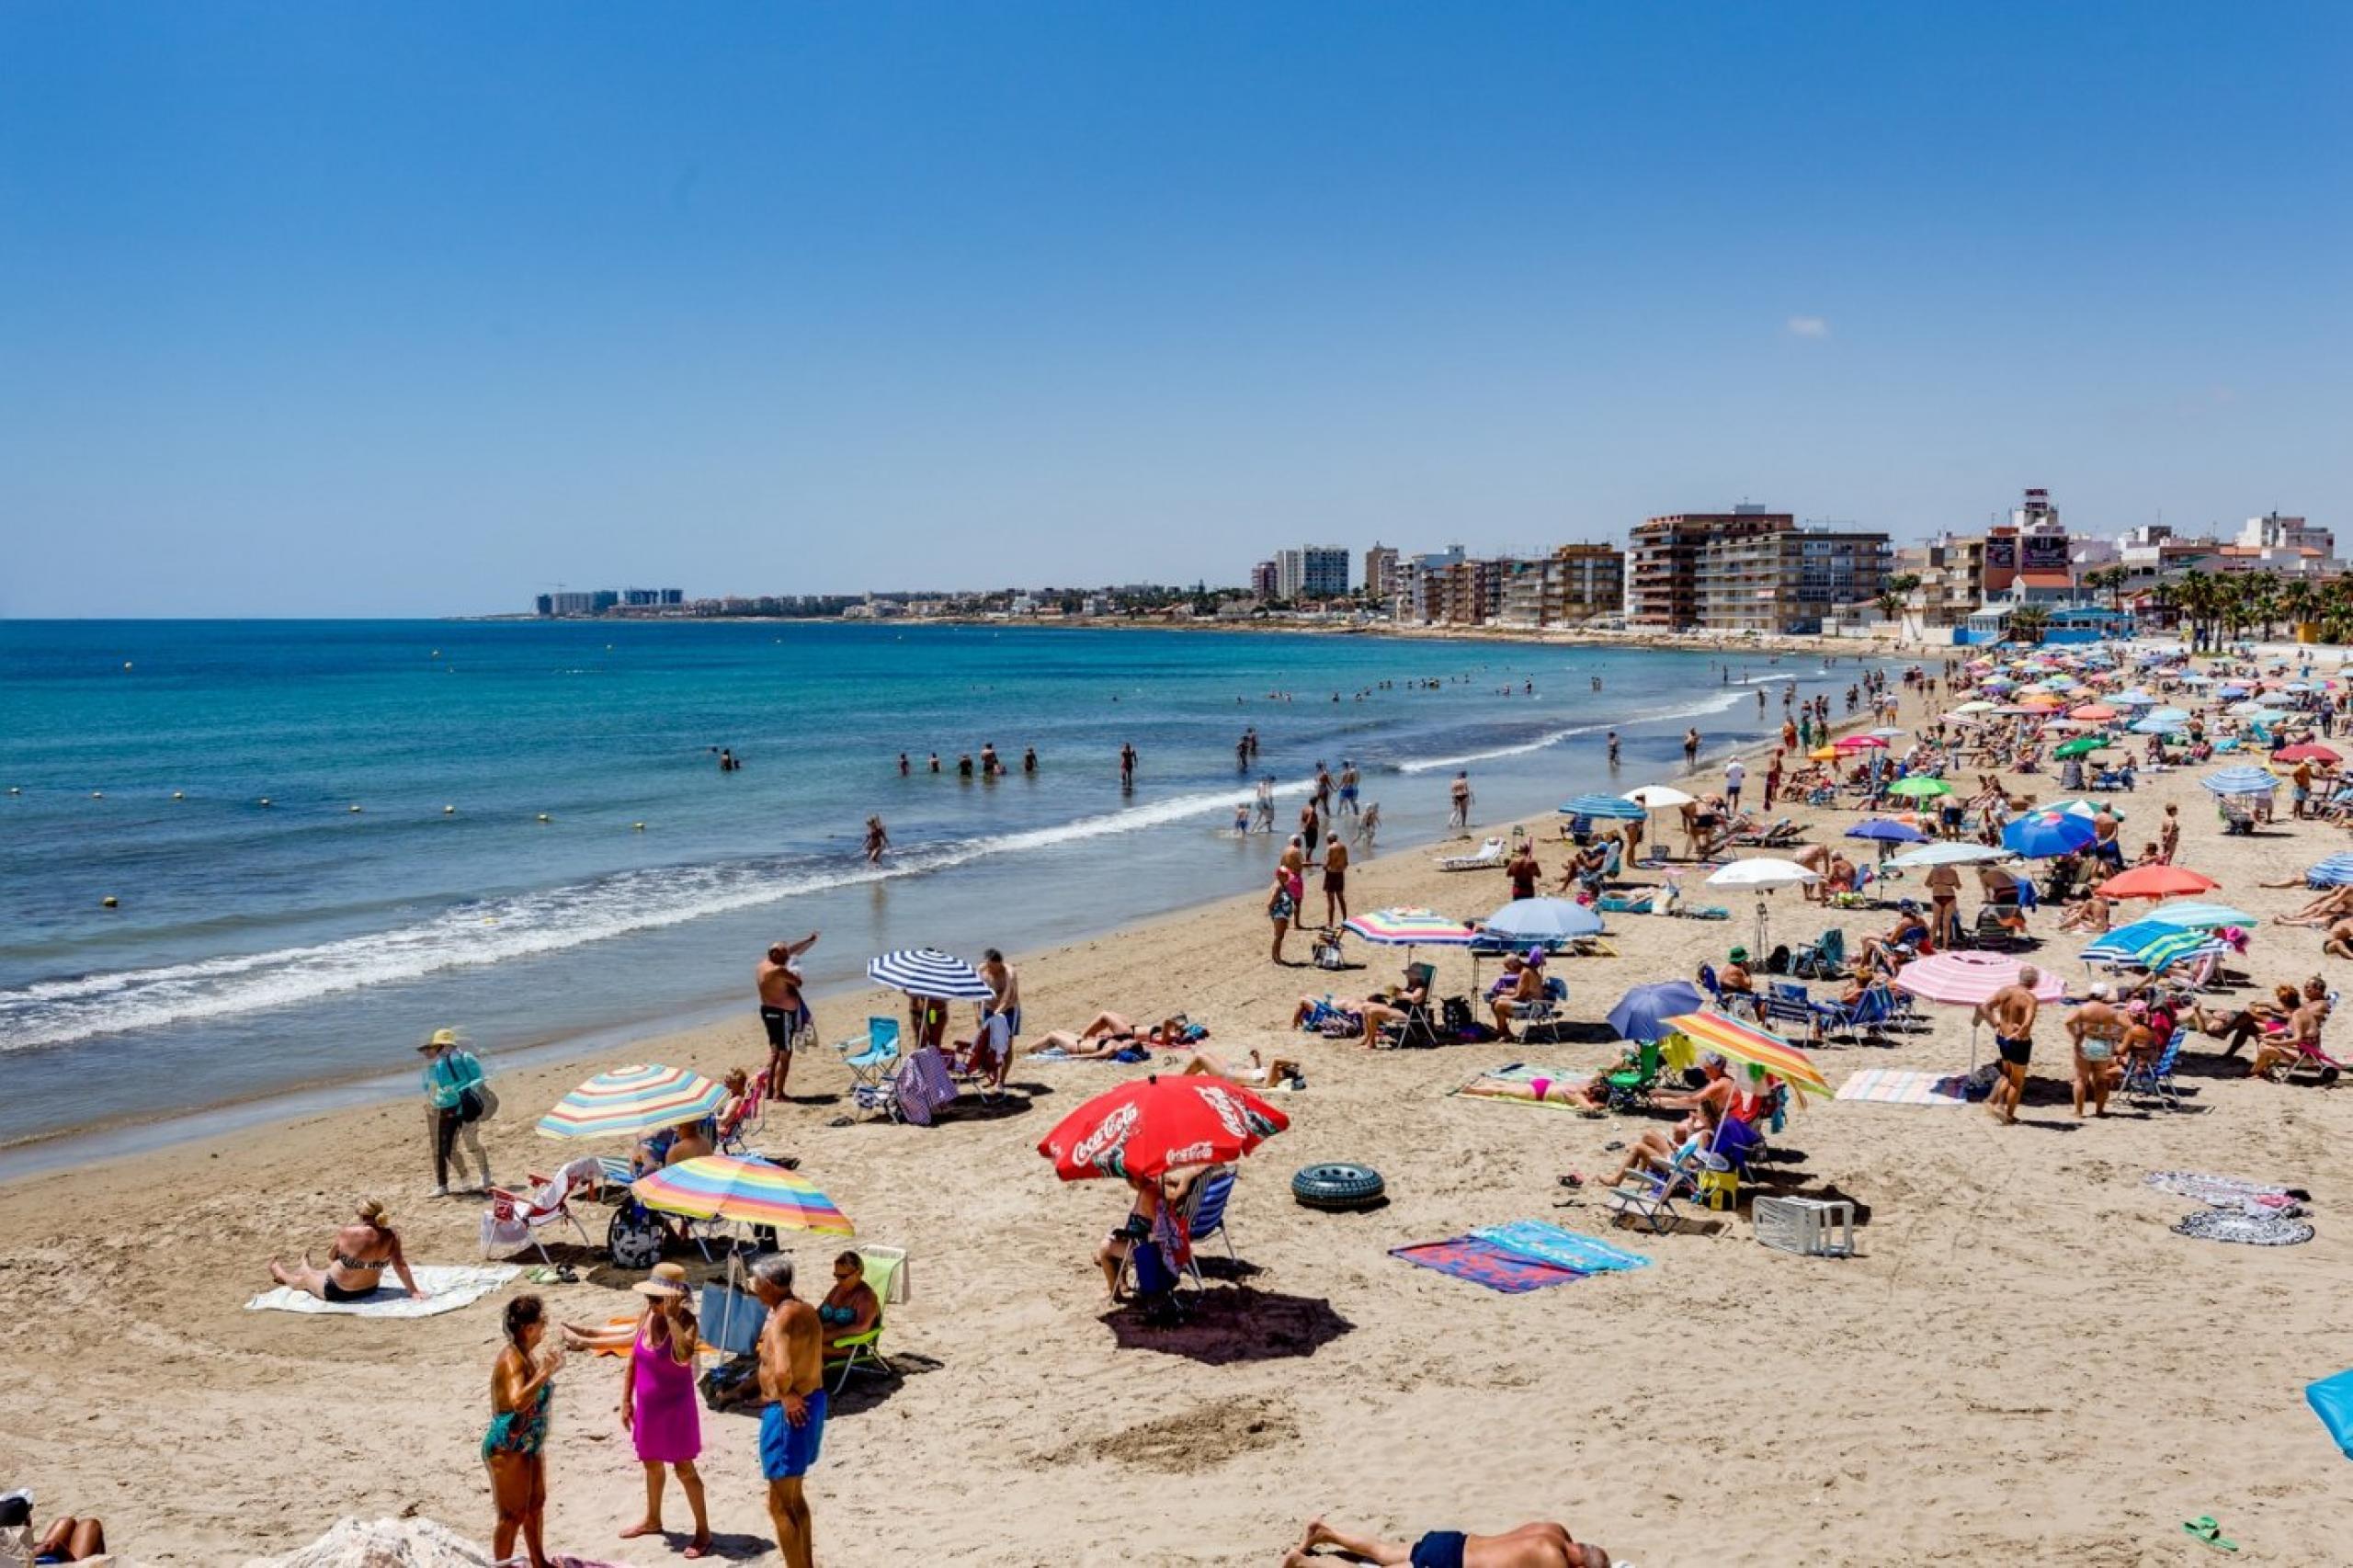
<point x="1958" y="852"/>
<point x="1613" y="806"/>
<point x="1919" y="787"/>
<point x="2309" y="752"/>
<point x="1643" y="1013"/>
<point x="1150" y="1126"/>
<point x="1738" y="1042"/>
<point x="1764" y="871"/>
<point x="1887" y="831"/>
<point x="1967" y="978"/>
<point x="2156" y="881"/>
<point x="1541" y="920"/>
<point x="1411" y="927"/>
<point x="1658" y="797"/>
<point x="928" y="971"/>
<point x="2040" y="834"/>
<point x="2240" y="781"/>
<point x="637" y="1098"/>
<point x="2190" y="914"/>
<point x="728" y="1187"/>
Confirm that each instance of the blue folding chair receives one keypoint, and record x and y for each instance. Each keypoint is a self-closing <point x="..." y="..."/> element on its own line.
<point x="2154" y="1080"/>
<point x="871" y="1065"/>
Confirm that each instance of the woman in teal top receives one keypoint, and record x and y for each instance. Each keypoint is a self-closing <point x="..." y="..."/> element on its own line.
<point x="522" y="1385"/>
<point x="454" y="1085"/>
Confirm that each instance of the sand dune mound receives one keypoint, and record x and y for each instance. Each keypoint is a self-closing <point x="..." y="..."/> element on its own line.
<point x="385" y="1543"/>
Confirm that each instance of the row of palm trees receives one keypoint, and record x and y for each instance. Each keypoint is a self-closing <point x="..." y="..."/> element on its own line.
<point x="2214" y="607"/>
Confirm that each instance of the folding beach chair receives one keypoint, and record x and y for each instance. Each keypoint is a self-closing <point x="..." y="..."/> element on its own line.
<point x="1630" y="1087"/>
<point x="884" y="1269"/>
<point x="1542" y="1008"/>
<point x="1863" y="1017"/>
<point x="870" y="1060"/>
<point x="2154" y="1080"/>
<point x="1207" y="1216"/>
<point x="516" y="1219"/>
<point x="746" y="1120"/>
<point x="1824" y="959"/>
<point x="1490" y="856"/>
<point x="1777" y="1008"/>
<point x="1652" y="1202"/>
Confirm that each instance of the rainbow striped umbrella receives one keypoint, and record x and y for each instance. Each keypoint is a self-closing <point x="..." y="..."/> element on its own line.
<point x="633" y="1099"/>
<point x="1746" y="1042"/>
<point x="1411" y="927"/>
<point x="726" y="1187"/>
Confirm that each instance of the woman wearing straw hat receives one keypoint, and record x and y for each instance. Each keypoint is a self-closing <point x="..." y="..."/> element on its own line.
<point x="658" y="1402"/>
<point x="457" y="1098"/>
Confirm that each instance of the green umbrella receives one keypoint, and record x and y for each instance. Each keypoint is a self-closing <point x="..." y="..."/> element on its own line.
<point x="2081" y="744"/>
<point x="1920" y="788"/>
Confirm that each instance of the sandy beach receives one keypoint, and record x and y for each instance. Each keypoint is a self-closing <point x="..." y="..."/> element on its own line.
<point x="2023" y="1363"/>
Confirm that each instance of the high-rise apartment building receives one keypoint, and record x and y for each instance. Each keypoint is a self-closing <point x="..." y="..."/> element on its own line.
<point x="1379" y="573"/>
<point x="1662" y="565"/>
<point x="1576" y="583"/>
<point x="1749" y="570"/>
<point x="1266" y="581"/>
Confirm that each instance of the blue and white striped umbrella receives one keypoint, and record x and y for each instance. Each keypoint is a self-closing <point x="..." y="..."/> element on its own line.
<point x="1604" y="806"/>
<point x="2191" y="914"/>
<point x="2333" y="872"/>
<point x="2151" y="944"/>
<point x="928" y="971"/>
<point x="2240" y="781"/>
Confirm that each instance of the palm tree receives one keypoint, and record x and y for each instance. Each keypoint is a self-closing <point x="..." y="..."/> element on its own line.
<point x="2028" y="621"/>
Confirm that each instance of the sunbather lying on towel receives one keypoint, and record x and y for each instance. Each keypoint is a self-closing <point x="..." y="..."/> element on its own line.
<point x="71" y="1540"/>
<point x="1106" y="1035"/>
<point x="355" y="1265"/>
<point x="1256" y="1076"/>
<point x="1530" y="1545"/>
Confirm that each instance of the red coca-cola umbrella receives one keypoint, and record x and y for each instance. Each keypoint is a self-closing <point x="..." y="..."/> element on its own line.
<point x="1146" y="1128"/>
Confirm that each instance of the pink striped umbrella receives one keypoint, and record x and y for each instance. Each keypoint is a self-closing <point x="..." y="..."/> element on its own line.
<point x="1967" y="978"/>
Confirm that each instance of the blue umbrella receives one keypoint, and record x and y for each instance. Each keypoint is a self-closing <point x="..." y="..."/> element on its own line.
<point x="2155" y="726"/>
<point x="2333" y="872"/>
<point x="1542" y="920"/>
<point x="2135" y="698"/>
<point x="2234" y="690"/>
<point x="2155" y="947"/>
<point x="2040" y="834"/>
<point x="1643" y="1013"/>
<point x="928" y="971"/>
<point x="1603" y="806"/>
<point x="1887" y="830"/>
<point x="2240" y="781"/>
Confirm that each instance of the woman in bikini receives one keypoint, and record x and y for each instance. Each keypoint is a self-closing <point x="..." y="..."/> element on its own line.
<point x="1105" y="1036"/>
<point x="355" y="1265"/>
<point x="522" y="1385"/>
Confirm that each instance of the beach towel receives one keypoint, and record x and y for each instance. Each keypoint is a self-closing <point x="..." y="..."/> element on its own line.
<point x="1900" y="1085"/>
<point x="2222" y="1192"/>
<point x="445" y="1289"/>
<point x="1562" y="1248"/>
<point x="2247" y="1230"/>
<point x="1484" y="1263"/>
<point x="2332" y="1401"/>
<point x="1520" y="1083"/>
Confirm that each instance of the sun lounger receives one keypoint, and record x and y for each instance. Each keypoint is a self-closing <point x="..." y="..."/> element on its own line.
<point x="1489" y="857"/>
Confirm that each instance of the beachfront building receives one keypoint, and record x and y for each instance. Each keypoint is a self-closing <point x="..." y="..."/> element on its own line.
<point x="1379" y="573"/>
<point x="1420" y="595"/>
<point x="1787" y="580"/>
<point x="1661" y="573"/>
<point x="1266" y="582"/>
<point x="1574" y="584"/>
<point x="1312" y="572"/>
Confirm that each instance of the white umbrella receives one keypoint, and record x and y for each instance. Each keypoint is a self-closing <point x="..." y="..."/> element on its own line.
<point x="1764" y="874"/>
<point x="1954" y="854"/>
<point x="1977" y="706"/>
<point x="1656" y="797"/>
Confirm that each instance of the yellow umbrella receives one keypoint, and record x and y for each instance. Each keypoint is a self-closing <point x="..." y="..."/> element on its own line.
<point x="1745" y="1042"/>
<point x="1823" y="754"/>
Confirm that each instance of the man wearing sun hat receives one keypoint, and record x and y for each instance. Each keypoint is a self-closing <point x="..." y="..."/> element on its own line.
<point x="456" y="1098"/>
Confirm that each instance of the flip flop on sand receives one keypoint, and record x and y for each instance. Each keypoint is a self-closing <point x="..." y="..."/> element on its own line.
<point x="2203" y="1527"/>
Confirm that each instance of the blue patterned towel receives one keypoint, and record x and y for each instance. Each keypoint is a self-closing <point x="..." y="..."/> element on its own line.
<point x="1563" y="1249"/>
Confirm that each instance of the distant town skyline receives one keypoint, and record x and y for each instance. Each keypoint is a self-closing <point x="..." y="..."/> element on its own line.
<point x="322" y="311"/>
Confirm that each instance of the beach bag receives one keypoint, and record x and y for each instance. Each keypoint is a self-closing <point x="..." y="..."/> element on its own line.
<point x="1778" y="961"/>
<point x="471" y="1107"/>
<point x="1327" y="950"/>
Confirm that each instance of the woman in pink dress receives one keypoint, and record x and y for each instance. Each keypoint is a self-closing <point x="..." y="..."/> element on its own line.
<point x="658" y="1402"/>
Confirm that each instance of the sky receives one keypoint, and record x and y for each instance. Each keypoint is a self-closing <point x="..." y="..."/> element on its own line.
<point x="339" y="310"/>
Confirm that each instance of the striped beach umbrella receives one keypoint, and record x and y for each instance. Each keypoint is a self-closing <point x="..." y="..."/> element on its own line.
<point x="633" y="1099"/>
<point x="2193" y="915"/>
<point x="928" y="971"/>
<point x="2240" y="781"/>
<point x="1967" y="978"/>
<point x="2333" y="872"/>
<point x="1609" y="806"/>
<point x="2153" y="945"/>
<point x="1737" y="1041"/>
<point x="728" y="1187"/>
<point x="1411" y="927"/>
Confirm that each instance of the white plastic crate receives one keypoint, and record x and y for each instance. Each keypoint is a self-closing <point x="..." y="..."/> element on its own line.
<point x="1806" y="1225"/>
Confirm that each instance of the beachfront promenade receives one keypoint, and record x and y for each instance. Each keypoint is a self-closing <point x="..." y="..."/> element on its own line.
<point x="2024" y="1361"/>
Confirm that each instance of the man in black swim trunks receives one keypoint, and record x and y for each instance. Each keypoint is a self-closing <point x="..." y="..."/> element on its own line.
<point x="2010" y="1011"/>
<point x="1542" y="1545"/>
<point x="782" y="1012"/>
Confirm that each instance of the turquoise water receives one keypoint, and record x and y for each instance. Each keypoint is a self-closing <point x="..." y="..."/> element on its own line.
<point x="256" y="946"/>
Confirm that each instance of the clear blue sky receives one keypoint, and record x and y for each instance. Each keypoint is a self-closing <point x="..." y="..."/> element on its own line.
<point x="321" y="309"/>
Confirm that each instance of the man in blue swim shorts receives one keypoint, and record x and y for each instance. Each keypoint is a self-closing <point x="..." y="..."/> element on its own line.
<point x="793" y="1424"/>
<point x="1542" y="1545"/>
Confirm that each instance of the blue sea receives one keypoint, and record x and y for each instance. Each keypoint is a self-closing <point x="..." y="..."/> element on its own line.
<point x="495" y="875"/>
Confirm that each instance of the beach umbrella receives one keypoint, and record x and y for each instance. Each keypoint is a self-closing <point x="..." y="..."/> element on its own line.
<point x="2092" y="713"/>
<point x="2195" y="678"/>
<point x="2135" y="698"/>
<point x="2309" y="752"/>
<point x="1859" y="743"/>
<point x="729" y="1186"/>
<point x="2263" y="716"/>
<point x="1737" y="1041"/>
<point x="1953" y="854"/>
<point x="928" y="971"/>
<point x="2172" y="717"/>
<point x="1658" y="797"/>
<point x="2040" y="834"/>
<point x="1410" y="927"/>
<point x="2199" y="916"/>
<point x="2156" y="881"/>
<point x="2152" y="945"/>
<point x="1919" y="787"/>
<point x="1964" y="980"/>
<point x="2245" y="709"/>
<point x="2233" y="690"/>
<point x="1977" y="705"/>
<point x="1642" y="1014"/>
<point x="1764" y="874"/>
<point x="1147" y="1127"/>
<point x="1889" y="733"/>
<point x="1823" y="753"/>
<point x="1887" y="831"/>
<point x="1612" y="806"/>
<point x="2240" y="781"/>
<point x="1542" y="920"/>
<point x="2082" y="746"/>
<point x="633" y="1099"/>
<point x="2086" y="809"/>
<point x="2333" y="872"/>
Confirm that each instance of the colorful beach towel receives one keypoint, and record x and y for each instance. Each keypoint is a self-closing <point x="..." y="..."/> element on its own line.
<point x="1520" y="1083"/>
<point x="1563" y="1249"/>
<point x="1484" y="1263"/>
<point x="2247" y="1230"/>
<point x="1900" y="1086"/>
<point x="2222" y="1192"/>
<point x="445" y="1289"/>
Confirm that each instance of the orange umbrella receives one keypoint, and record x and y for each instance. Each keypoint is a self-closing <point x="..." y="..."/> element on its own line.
<point x="2092" y="713"/>
<point x="1745" y="1042"/>
<point x="2044" y="699"/>
<point x="2156" y="881"/>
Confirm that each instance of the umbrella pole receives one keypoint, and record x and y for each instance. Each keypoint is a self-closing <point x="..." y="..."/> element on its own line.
<point x="1762" y="947"/>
